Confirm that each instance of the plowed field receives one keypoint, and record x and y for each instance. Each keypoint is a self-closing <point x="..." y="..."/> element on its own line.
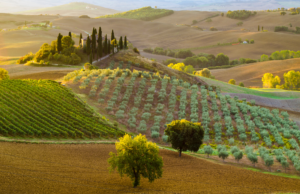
<point x="34" y="168"/>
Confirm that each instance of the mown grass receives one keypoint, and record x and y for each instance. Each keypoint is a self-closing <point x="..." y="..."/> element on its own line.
<point x="144" y="13"/>
<point x="268" y="93"/>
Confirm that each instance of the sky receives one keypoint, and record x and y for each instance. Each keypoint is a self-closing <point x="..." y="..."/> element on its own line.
<point x="11" y="6"/>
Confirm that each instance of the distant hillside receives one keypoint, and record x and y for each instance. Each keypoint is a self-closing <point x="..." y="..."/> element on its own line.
<point x="144" y="13"/>
<point x="72" y="9"/>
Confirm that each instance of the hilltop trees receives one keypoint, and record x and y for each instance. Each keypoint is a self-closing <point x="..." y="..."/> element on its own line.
<point x="80" y="37"/>
<point x="222" y="59"/>
<point x="100" y="48"/>
<point x="3" y="74"/>
<point x="59" y="46"/>
<point x="184" y="135"/>
<point x="240" y="14"/>
<point x="88" y="46"/>
<point x="125" y="42"/>
<point x="136" y="157"/>
<point x="66" y="42"/>
<point x="121" y="43"/>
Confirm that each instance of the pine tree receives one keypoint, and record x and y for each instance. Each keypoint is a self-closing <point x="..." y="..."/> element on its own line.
<point x="121" y="43"/>
<point x="59" y="46"/>
<point x="108" y="46"/>
<point x="88" y="45"/>
<point x="80" y="38"/>
<point x="105" y="45"/>
<point x="125" y="42"/>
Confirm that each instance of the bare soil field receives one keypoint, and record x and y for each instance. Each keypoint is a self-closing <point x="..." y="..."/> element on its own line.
<point x="251" y="74"/>
<point x="162" y="32"/>
<point x="30" y="72"/>
<point x="32" y="168"/>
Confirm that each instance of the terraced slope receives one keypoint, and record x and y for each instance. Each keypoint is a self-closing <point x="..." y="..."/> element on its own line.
<point x="43" y="108"/>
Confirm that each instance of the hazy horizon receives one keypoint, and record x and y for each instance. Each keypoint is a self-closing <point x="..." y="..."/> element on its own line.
<point x="13" y="6"/>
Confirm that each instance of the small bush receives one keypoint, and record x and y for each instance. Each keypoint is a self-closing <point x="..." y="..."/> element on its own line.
<point x="209" y="20"/>
<point x="281" y="28"/>
<point x="251" y="41"/>
<point x="136" y="50"/>
<point x="84" y="16"/>
<point x="213" y="29"/>
<point x="231" y="81"/>
<point x="239" y="23"/>
<point x="241" y="84"/>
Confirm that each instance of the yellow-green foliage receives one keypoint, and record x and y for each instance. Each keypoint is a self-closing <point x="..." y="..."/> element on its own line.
<point x="3" y="74"/>
<point x="204" y="73"/>
<point x="182" y="67"/>
<point x="144" y="13"/>
<point x="136" y="157"/>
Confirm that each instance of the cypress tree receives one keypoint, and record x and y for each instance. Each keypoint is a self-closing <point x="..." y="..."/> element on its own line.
<point x="112" y="35"/>
<point x="258" y="28"/>
<point x="121" y="43"/>
<point x="105" y="45"/>
<point x="100" y="51"/>
<point x="91" y="59"/>
<point x="125" y="42"/>
<point x="108" y="46"/>
<point x="59" y="46"/>
<point x="70" y="34"/>
<point x="93" y="42"/>
<point x="262" y="28"/>
<point x="88" y="45"/>
<point x="80" y="37"/>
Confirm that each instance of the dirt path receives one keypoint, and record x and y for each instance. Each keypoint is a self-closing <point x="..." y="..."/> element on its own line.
<point x="84" y="169"/>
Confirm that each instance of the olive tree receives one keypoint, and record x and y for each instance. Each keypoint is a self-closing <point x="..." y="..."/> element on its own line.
<point x="208" y="150"/>
<point x="136" y="157"/>
<point x="185" y="135"/>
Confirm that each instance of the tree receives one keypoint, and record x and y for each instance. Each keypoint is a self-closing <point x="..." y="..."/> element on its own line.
<point x="105" y="45"/>
<point x="80" y="37"/>
<point x="223" y="154"/>
<point x="100" y="49"/>
<point x="269" y="161"/>
<point x="108" y="46"/>
<point x="253" y="158"/>
<point x="241" y="84"/>
<point x="222" y="59"/>
<point x="208" y="150"/>
<point x="240" y="40"/>
<point x="121" y="42"/>
<point x="66" y="42"/>
<point x="231" y="81"/>
<point x="238" y="155"/>
<point x="3" y="74"/>
<point x="136" y="157"/>
<point x="125" y="42"/>
<point x="93" y="42"/>
<point x="284" y="163"/>
<point x="54" y="46"/>
<point x="222" y="14"/>
<point x="70" y="34"/>
<point x="292" y="79"/>
<point x="262" y="28"/>
<point x="112" y="35"/>
<point x="269" y="81"/>
<point x="59" y="46"/>
<point x="88" y="46"/>
<point x="264" y="58"/>
<point x="184" y="135"/>
<point x="258" y="28"/>
<point x="51" y="24"/>
<point x="204" y="73"/>
<point x="251" y="41"/>
<point x="189" y="69"/>
<point x="282" y="13"/>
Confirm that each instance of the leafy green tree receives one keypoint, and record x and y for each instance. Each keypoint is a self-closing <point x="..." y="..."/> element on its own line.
<point x="282" y="13"/>
<point x="184" y="135"/>
<point x="241" y="84"/>
<point x="231" y="81"/>
<point x="208" y="150"/>
<point x="240" y="40"/>
<point x="125" y="42"/>
<point x="136" y="157"/>
<point x="253" y="158"/>
<point x="223" y="154"/>
<point x="222" y="59"/>
<point x="59" y="46"/>
<point x="66" y="42"/>
<point x="205" y="73"/>
<point x="284" y="163"/>
<point x="231" y="141"/>
<point x="264" y="58"/>
<point x="238" y="155"/>
<point x="269" y="161"/>
<point x="3" y="74"/>
<point x="189" y="69"/>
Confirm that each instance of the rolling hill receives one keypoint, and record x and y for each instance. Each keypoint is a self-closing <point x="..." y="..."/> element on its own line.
<point x="72" y="9"/>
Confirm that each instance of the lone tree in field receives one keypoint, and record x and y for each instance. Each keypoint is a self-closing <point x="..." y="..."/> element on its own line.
<point x="231" y="81"/>
<point x="208" y="150"/>
<point x="185" y="135"/>
<point x="238" y="155"/>
<point x="3" y="74"/>
<point x="282" y="13"/>
<point x="136" y="157"/>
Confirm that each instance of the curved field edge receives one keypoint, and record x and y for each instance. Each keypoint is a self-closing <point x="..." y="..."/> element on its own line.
<point x="273" y="93"/>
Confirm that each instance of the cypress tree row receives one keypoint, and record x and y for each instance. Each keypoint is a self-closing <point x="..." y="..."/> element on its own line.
<point x="125" y="42"/>
<point x="108" y="46"/>
<point x="121" y="43"/>
<point x="258" y="28"/>
<point x="59" y="46"/>
<point x="112" y="35"/>
<point x="80" y="37"/>
<point x="105" y="45"/>
<point x="91" y="59"/>
<point x="93" y="42"/>
<point x="88" y="46"/>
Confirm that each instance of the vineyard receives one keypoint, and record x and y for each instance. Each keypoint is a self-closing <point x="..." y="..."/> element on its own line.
<point x="43" y="108"/>
<point x="145" y="13"/>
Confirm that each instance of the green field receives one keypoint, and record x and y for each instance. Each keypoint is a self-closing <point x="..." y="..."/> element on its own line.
<point x="263" y="92"/>
<point x="145" y="13"/>
<point x="44" y="108"/>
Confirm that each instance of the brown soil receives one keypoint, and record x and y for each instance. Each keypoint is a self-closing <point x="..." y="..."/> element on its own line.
<point x="251" y="74"/>
<point x="52" y="75"/>
<point x="43" y="168"/>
